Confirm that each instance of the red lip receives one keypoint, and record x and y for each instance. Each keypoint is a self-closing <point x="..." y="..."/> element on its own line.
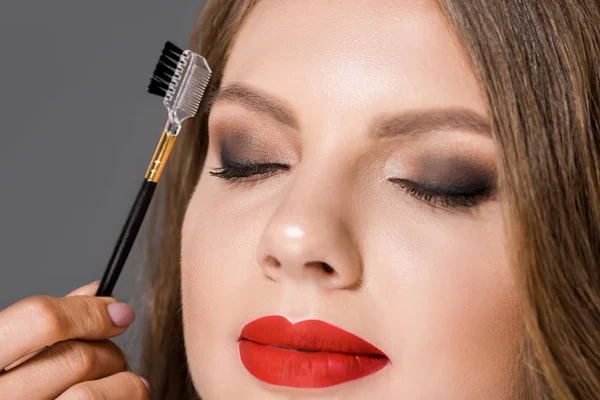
<point x="309" y="354"/>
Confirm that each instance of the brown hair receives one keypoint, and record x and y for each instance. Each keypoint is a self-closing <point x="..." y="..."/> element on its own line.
<point x="539" y="67"/>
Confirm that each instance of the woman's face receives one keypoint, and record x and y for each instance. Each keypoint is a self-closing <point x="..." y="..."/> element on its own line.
<point x="350" y="179"/>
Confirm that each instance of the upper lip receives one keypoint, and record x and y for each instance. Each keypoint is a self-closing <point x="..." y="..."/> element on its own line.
<point x="308" y="335"/>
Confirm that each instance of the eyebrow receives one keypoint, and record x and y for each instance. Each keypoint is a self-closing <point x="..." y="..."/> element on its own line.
<point x="430" y="120"/>
<point x="412" y="122"/>
<point x="258" y="101"/>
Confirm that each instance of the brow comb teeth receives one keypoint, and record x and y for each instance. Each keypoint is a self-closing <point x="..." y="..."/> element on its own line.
<point x="180" y="77"/>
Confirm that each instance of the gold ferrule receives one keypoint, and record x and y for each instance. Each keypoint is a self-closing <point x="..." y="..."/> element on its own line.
<point x="161" y="155"/>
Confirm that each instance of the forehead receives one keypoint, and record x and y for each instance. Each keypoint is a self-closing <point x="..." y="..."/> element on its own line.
<point x="354" y="55"/>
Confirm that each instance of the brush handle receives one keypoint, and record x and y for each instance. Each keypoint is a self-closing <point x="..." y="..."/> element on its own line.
<point x="137" y="214"/>
<point x="126" y="239"/>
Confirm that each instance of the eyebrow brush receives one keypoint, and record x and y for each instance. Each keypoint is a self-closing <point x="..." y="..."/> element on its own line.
<point x="180" y="78"/>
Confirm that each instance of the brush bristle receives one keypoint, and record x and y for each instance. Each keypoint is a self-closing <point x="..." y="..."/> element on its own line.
<point x="165" y="69"/>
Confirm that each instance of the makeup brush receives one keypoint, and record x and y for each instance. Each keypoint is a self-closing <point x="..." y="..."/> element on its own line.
<point x="180" y="78"/>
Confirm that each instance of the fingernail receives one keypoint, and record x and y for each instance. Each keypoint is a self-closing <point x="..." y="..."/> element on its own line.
<point x="121" y="314"/>
<point x="146" y="383"/>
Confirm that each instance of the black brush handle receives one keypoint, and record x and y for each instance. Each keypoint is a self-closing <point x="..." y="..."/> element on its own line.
<point x="127" y="238"/>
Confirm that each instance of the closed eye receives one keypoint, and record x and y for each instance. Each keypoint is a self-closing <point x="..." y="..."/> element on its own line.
<point x="447" y="195"/>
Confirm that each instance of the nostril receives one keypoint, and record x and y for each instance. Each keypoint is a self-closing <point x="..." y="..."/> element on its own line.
<point x="323" y="266"/>
<point x="327" y="268"/>
<point x="272" y="262"/>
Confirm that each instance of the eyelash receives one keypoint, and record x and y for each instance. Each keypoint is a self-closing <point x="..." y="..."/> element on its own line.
<point x="448" y="195"/>
<point x="245" y="172"/>
<point x="444" y="196"/>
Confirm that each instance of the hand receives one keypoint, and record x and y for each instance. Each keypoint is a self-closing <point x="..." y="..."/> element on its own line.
<point x="58" y="348"/>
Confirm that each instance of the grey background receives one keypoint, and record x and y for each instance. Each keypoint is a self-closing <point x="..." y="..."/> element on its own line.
<point x="77" y="132"/>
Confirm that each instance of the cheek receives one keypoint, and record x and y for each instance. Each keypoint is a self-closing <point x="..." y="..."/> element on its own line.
<point x="219" y="275"/>
<point x="451" y="304"/>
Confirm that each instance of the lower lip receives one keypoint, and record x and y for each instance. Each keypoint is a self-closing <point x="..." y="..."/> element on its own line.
<point x="299" y="369"/>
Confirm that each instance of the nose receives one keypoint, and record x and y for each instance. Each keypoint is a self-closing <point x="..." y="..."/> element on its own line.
<point x="309" y="239"/>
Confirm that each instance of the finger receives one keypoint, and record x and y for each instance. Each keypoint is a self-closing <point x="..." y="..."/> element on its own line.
<point x="26" y="357"/>
<point x="121" y="386"/>
<point x="86" y="290"/>
<point x="61" y="366"/>
<point x="39" y="321"/>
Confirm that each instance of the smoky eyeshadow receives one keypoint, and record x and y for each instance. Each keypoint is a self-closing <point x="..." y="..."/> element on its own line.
<point x="456" y="173"/>
<point x="242" y="148"/>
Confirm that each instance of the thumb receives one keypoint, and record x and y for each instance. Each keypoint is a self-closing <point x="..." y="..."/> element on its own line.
<point x="87" y="290"/>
